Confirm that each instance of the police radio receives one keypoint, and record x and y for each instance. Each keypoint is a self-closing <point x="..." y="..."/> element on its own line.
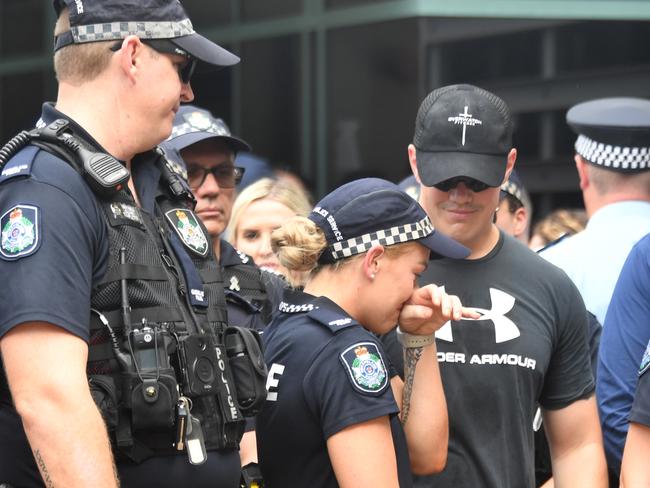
<point x="103" y="173"/>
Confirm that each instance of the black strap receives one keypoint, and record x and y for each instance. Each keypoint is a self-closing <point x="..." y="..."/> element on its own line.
<point x="210" y="276"/>
<point x="152" y="314"/>
<point x="135" y="272"/>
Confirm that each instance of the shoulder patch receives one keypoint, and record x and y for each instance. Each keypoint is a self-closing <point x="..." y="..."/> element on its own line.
<point x="334" y="320"/>
<point x="365" y="367"/>
<point x="187" y="226"/>
<point x="19" y="232"/>
<point x="20" y="164"/>
<point x="645" y="361"/>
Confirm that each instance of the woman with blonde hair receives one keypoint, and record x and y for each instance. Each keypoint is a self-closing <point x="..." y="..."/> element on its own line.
<point x="258" y="210"/>
<point x="333" y="410"/>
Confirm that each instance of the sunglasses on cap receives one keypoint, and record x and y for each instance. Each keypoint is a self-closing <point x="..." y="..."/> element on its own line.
<point x="164" y="46"/>
<point x="227" y="176"/>
<point x="474" y="185"/>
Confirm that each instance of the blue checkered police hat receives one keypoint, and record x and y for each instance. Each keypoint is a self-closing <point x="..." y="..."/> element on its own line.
<point x="515" y="187"/>
<point x="193" y="124"/>
<point x="106" y="20"/>
<point x="371" y="211"/>
<point x="613" y="133"/>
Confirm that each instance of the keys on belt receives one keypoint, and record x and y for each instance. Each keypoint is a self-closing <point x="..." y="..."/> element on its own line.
<point x="189" y="433"/>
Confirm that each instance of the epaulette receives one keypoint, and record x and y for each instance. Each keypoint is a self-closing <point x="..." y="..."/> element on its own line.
<point x="332" y="319"/>
<point x="20" y="164"/>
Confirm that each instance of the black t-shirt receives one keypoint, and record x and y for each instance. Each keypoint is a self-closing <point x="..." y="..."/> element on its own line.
<point x="529" y="346"/>
<point x="326" y="373"/>
<point x="58" y="251"/>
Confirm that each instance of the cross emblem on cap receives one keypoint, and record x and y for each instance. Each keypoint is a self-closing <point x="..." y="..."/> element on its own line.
<point x="464" y="119"/>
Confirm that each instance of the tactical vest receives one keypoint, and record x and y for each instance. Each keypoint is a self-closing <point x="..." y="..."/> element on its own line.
<point x="158" y="328"/>
<point x="246" y="294"/>
<point x="174" y="283"/>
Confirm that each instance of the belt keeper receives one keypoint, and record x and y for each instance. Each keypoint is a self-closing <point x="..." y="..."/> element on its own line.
<point x="411" y="341"/>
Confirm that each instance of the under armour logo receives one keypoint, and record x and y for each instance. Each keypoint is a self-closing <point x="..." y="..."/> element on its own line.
<point x="504" y="328"/>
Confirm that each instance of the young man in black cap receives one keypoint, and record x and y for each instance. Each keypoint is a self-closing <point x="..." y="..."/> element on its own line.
<point x="529" y="344"/>
<point x="111" y="272"/>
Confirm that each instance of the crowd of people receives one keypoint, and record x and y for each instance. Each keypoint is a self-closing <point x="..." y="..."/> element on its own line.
<point x="175" y="316"/>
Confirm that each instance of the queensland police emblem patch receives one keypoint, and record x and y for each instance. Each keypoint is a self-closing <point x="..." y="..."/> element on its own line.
<point x="188" y="229"/>
<point x="365" y="367"/>
<point x="19" y="232"/>
<point x="645" y="361"/>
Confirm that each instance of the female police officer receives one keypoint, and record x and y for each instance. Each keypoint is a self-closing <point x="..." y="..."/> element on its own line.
<point x="331" y="413"/>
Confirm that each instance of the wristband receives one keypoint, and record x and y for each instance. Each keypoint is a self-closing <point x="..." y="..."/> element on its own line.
<point x="410" y="341"/>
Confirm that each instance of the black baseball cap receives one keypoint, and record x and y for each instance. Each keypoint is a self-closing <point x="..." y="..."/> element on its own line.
<point x="462" y="130"/>
<point x="370" y="211"/>
<point x="106" y="20"/>
<point x="613" y="133"/>
<point x="193" y="124"/>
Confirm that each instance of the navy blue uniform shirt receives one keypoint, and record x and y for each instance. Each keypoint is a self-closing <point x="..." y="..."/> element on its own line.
<point x="52" y="253"/>
<point x="326" y="373"/>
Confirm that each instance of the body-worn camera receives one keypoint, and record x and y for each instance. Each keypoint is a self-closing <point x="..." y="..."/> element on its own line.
<point x="200" y="364"/>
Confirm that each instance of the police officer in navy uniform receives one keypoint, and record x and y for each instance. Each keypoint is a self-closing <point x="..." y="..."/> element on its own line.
<point x="207" y="151"/>
<point x="332" y="415"/>
<point x="115" y="300"/>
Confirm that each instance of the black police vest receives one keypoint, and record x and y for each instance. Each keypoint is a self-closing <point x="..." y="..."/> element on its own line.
<point x="246" y="294"/>
<point x="156" y="268"/>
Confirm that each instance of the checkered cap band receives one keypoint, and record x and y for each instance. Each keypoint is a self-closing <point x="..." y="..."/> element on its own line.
<point x="616" y="157"/>
<point x="512" y="189"/>
<point x="292" y="308"/>
<point x="119" y="30"/>
<point x="388" y="237"/>
<point x="217" y="128"/>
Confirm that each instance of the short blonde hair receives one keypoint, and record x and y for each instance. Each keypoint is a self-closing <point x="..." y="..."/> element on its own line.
<point x="79" y="63"/>
<point x="560" y="222"/>
<point x="281" y="191"/>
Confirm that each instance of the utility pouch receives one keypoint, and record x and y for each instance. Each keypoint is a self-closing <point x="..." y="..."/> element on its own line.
<point x="105" y="394"/>
<point x="152" y="399"/>
<point x="244" y="351"/>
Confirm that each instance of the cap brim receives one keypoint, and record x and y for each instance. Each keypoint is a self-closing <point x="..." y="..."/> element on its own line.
<point x="435" y="167"/>
<point x="442" y="246"/>
<point x="185" y="140"/>
<point x="205" y="50"/>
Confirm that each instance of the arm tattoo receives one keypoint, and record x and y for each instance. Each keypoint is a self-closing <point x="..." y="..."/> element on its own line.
<point x="41" y="466"/>
<point x="411" y="356"/>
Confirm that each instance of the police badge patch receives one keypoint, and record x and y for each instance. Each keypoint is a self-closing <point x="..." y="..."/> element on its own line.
<point x="365" y="367"/>
<point x="19" y="227"/>
<point x="188" y="229"/>
<point x="645" y="361"/>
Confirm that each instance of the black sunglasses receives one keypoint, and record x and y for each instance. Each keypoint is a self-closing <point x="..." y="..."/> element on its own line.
<point x="227" y="176"/>
<point x="164" y="46"/>
<point x="471" y="183"/>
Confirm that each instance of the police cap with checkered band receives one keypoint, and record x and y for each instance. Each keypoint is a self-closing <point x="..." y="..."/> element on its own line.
<point x="462" y="130"/>
<point x="110" y="20"/>
<point x="613" y="133"/>
<point x="371" y="211"/>
<point x="193" y="124"/>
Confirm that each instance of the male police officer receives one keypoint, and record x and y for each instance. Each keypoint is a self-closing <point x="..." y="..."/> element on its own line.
<point x="76" y="238"/>
<point x="208" y="150"/>
<point x="529" y="345"/>
<point x="613" y="163"/>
